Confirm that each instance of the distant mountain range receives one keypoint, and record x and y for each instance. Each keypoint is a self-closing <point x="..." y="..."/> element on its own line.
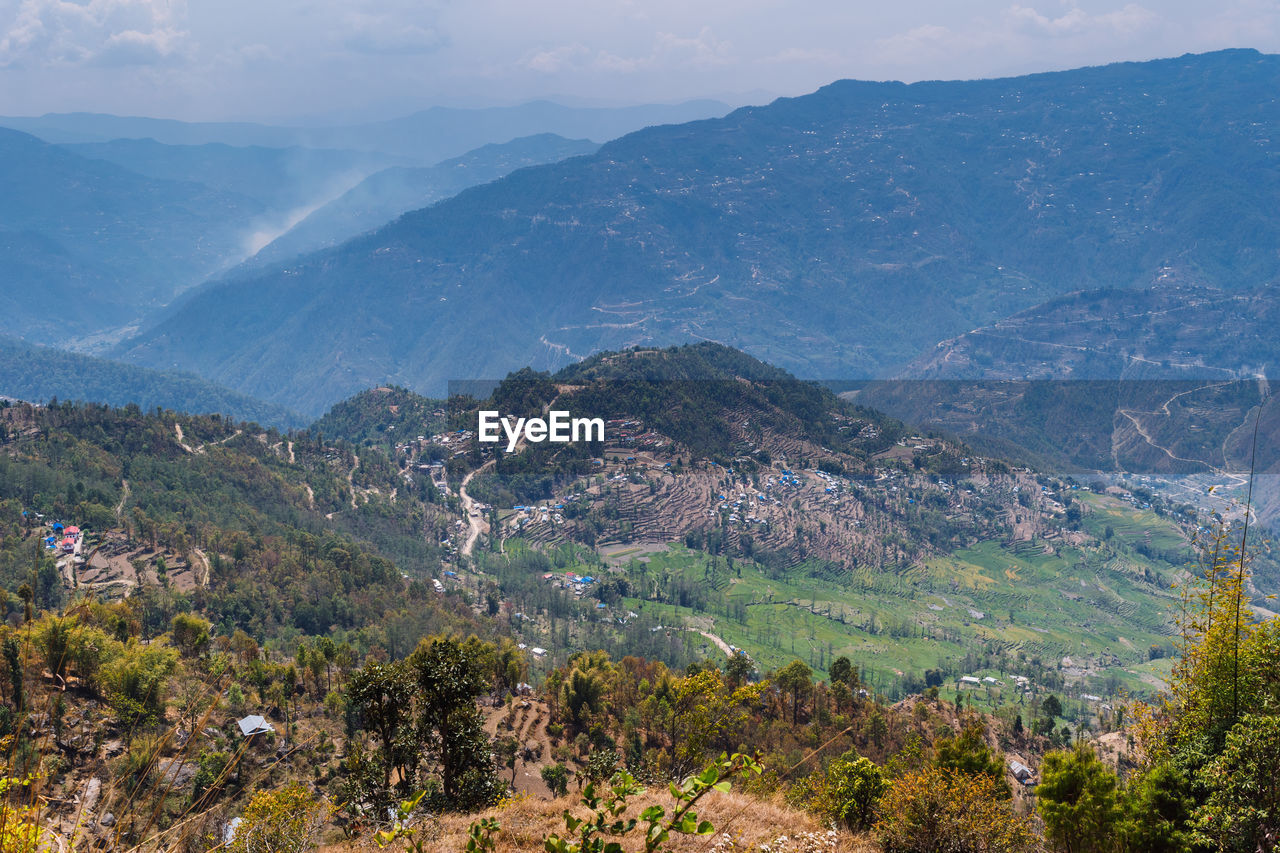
<point x="86" y="245"/>
<point x="96" y="236"/>
<point x="839" y="234"/>
<point x="423" y="138"/>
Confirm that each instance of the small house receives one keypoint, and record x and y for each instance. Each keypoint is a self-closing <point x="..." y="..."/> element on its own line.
<point x="254" y="724"/>
<point x="1020" y="771"/>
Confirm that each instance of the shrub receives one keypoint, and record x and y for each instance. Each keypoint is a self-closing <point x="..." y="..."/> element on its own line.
<point x="282" y="821"/>
<point x="934" y="809"/>
<point x="849" y="792"/>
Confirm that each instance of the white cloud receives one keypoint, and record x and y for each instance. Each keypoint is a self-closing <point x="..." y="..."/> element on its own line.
<point x="1075" y="21"/>
<point x="100" y="32"/>
<point x="700" y="51"/>
<point x="557" y="59"/>
<point x="131" y="47"/>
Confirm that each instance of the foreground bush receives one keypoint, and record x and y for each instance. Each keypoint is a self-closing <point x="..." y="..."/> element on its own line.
<point x="935" y="810"/>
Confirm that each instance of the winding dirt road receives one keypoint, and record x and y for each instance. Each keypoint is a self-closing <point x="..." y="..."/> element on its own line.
<point x="475" y="523"/>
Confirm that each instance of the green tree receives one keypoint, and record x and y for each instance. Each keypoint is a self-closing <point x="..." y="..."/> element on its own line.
<point x="190" y="634"/>
<point x="968" y="753"/>
<point x="449" y="724"/>
<point x="739" y="668"/>
<point x="136" y="683"/>
<point x="795" y="679"/>
<point x="382" y="696"/>
<point x="557" y="778"/>
<point x="850" y="792"/>
<point x="842" y="672"/>
<point x="1078" y="802"/>
<point x="1242" y="812"/>
<point x="580" y="693"/>
<point x="1158" y="808"/>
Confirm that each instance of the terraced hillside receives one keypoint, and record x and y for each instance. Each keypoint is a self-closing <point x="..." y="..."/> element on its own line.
<point x="746" y="508"/>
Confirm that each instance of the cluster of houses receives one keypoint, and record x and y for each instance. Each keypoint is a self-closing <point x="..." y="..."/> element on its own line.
<point x="570" y="580"/>
<point x="549" y="513"/>
<point x="62" y="538"/>
<point x="743" y="508"/>
<point x="629" y="433"/>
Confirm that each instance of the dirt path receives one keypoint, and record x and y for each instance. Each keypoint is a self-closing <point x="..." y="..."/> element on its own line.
<point x="720" y="644"/>
<point x="124" y="496"/>
<point x="311" y="495"/>
<point x="235" y="434"/>
<point x="475" y="523"/>
<point x="182" y="440"/>
<point x="200" y="563"/>
<point x="1137" y="425"/>
<point x="351" y="480"/>
<point x="292" y="459"/>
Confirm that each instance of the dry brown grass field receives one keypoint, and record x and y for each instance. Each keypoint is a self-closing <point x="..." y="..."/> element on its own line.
<point x="748" y="822"/>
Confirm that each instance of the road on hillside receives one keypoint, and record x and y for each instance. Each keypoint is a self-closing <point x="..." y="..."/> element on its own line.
<point x="475" y="523"/>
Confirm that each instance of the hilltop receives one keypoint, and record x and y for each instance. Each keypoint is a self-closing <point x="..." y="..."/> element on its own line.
<point x="732" y="499"/>
<point x="838" y="234"/>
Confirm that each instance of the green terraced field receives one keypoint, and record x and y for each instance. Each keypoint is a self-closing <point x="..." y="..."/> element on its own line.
<point x="1086" y="614"/>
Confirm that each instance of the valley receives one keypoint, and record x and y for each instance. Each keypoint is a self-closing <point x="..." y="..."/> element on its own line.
<point x="887" y="468"/>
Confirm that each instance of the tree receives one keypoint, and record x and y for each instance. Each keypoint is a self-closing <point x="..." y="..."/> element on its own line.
<point x="583" y="687"/>
<point x="1078" y="801"/>
<point x="698" y="713"/>
<point x="842" y="672"/>
<point x="190" y="634"/>
<point x="850" y="792"/>
<point x="382" y="695"/>
<point x="1158" y="807"/>
<point x="1242" y="812"/>
<point x="13" y="662"/>
<point x="968" y="753"/>
<point x="739" y="668"/>
<point x="449" y="724"/>
<point x="933" y="809"/>
<point x="557" y="778"/>
<point x="136" y="682"/>
<point x="797" y="679"/>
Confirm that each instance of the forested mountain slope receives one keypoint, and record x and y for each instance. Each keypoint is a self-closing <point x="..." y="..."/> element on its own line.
<point x="837" y="234"/>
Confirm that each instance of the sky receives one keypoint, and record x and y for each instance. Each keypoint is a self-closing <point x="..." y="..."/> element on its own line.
<point x="321" y="60"/>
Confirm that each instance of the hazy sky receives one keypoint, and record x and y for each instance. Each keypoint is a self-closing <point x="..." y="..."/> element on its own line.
<point x="264" y="59"/>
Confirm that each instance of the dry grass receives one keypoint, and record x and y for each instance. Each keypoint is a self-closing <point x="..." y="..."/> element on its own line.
<point x="750" y="822"/>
